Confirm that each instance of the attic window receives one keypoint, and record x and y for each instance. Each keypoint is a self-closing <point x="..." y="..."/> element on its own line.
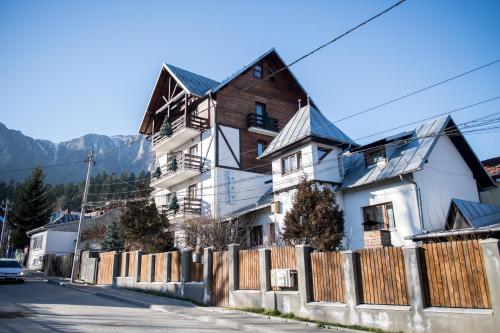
<point x="374" y="156"/>
<point x="257" y="71"/>
<point x="272" y="78"/>
<point x="322" y="152"/>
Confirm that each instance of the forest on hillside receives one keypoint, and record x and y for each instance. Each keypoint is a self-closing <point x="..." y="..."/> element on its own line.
<point x="103" y="187"/>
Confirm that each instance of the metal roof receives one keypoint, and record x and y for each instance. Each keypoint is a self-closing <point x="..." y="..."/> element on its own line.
<point x="478" y="214"/>
<point x="408" y="153"/>
<point x="194" y="83"/>
<point x="307" y="122"/>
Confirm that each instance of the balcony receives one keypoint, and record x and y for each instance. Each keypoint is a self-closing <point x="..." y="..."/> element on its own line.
<point x="183" y="129"/>
<point x="187" y="206"/>
<point x="179" y="167"/>
<point x="262" y="124"/>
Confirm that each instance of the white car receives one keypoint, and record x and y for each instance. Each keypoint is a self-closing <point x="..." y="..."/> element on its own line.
<point x="11" y="270"/>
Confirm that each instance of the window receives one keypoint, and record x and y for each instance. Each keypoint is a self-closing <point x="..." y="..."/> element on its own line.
<point x="192" y="191"/>
<point x="272" y="233"/>
<point x="257" y="71"/>
<point x="261" y="146"/>
<point x="322" y="152"/>
<point x="378" y="217"/>
<point x="291" y="163"/>
<point x="256" y="236"/>
<point x="372" y="157"/>
<point x="260" y="114"/>
<point x="37" y="243"/>
<point x="272" y="78"/>
<point x="193" y="150"/>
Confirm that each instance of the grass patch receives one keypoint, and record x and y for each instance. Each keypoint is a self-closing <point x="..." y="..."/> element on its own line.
<point x="161" y="294"/>
<point x="320" y="324"/>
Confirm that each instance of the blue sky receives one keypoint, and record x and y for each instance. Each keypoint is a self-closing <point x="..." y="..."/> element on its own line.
<point x="68" y="68"/>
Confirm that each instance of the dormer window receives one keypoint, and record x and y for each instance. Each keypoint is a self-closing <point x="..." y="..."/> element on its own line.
<point x="322" y="152"/>
<point x="257" y="71"/>
<point x="291" y="163"/>
<point x="374" y="157"/>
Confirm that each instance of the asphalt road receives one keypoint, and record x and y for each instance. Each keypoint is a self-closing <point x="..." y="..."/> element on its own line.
<point x="36" y="306"/>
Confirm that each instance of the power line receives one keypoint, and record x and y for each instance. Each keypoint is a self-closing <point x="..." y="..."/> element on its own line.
<point x="41" y="167"/>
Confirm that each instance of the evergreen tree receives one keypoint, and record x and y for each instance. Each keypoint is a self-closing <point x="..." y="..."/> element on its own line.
<point x="172" y="165"/>
<point x="174" y="204"/>
<point x="143" y="228"/>
<point x="31" y="208"/>
<point x="315" y="218"/>
<point x="157" y="173"/>
<point x="166" y="127"/>
<point x="112" y="240"/>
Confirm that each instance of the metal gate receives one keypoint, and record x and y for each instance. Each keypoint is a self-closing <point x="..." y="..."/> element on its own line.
<point x="105" y="270"/>
<point x="220" y="279"/>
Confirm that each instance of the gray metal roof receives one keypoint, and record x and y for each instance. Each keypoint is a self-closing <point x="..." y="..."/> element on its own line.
<point x="478" y="214"/>
<point x="307" y="122"/>
<point x="402" y="156"/>
<point x="194" y="83"/>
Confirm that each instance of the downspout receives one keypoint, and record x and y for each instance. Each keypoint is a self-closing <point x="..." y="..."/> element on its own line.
<point x="419" y="201"/>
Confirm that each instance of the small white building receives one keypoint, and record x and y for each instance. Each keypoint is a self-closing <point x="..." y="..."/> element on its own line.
<point x="389" y="189"/>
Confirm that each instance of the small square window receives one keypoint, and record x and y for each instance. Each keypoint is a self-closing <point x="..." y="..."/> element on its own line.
<point x="257" y="71"/>
<point x="256" y="238"/>
<point x="378" y="217"/>
<point x="291" y="163"/>
<point x="373" y="157"/>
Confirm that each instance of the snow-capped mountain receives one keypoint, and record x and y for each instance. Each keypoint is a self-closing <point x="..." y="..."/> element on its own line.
<point x="121" y="153"/>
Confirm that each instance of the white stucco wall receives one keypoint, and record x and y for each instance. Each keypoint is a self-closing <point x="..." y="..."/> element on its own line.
<point x="232" y="135"/>
<point x="404" y="201"/>
<point x="445" y="176"/>
<point x="35" y="256"/>
<point x="60" y="242"/>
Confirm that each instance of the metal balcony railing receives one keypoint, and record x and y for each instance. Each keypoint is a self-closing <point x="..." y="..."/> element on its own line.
<point x="264" y="122"/>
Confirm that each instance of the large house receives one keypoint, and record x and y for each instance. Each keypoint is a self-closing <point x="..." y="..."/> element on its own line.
<point x="239" y="148"/>
<point x="207" y="136"/>
<point x="390" y="189"/>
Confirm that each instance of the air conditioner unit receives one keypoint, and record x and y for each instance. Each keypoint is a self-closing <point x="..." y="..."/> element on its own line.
<point x="275" y="207"/>
<point x="283" y="278"/>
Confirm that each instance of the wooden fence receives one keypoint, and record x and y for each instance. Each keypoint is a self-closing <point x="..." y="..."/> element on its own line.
<point x="249" y="269"/>
<point x="175" y="270"/>
<point x="159" y="267"/>
<point x="195" y="271"/>
<point x="132" y="259"/>
<point x="454" y="275"/>
<point x="383" y="276"/>
<point x="105" y="269"/>
<point x="144" y="268"/>
<point x="283" y="257"/>
<point x="220" y="279"/>
<point x="327" y="270"/>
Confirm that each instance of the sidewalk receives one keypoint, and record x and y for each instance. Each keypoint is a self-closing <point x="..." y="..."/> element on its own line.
<point x="234" y="319"/>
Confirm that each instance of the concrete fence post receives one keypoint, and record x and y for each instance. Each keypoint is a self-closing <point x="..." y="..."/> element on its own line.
<point x="151" y="274"/>
<point x="116" y="267"/>
<point x="167" y="268"/>
<point x="185" y="261"/>
<point x="303" y="272"/>
<point x="268" y="299"/>
<point x="137" y="268"/>
<point x="351" y="277"/>
<point x="207" y="275"/>
<point x="491" y="257"/>
<point x="414" y="278"/>
<point x="125" y="257"/>
<point x="234" y="267"/>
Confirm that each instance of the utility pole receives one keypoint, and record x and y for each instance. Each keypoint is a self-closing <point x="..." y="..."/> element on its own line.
<point x="4" y="228"/>
<point x="76" y="255"/>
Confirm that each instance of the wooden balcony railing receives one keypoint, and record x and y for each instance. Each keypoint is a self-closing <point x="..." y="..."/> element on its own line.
<point x="264" y="122"/>
<point x="194" y="122"/>
<point x="186" y="206"/>
<point x="178" y="162"/>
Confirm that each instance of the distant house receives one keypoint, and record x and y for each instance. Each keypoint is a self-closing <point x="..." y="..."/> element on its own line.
<point x="492" y="196"/>
<point x="466" y="219"/>
<point x="390" y="189"/>
<point x="56" y="237"/>
<point x="59" y="235"/>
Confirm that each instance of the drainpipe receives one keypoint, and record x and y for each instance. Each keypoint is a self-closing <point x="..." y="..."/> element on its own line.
<point x="419" y="201"/>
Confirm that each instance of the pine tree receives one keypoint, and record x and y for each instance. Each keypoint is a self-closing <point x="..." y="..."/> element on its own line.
<point x="157" y="173"/>
<point x="112" y="240"/>
<point x="315" y="218"/>
<point x="174" y="204"/>
<point x="143" y="228"/>
<point x="166" y="127"/>
<point x="31" y="208"/>
<point x="172" y="166"/>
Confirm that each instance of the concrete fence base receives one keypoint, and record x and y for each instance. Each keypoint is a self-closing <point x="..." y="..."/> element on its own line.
<point x="415" y="317"/>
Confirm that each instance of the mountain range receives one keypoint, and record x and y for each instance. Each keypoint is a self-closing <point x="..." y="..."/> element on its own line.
<point x="114" y="154"/>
